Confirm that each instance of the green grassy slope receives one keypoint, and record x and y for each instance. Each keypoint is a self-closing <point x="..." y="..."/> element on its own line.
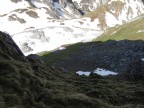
<point x="59" y="55"/>
<point x="129" y="31"/>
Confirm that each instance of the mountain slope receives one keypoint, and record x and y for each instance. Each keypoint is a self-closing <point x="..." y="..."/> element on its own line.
<point x="115" y="50"/>
<point x="33" y="27"/>
<point x="27" y="82"/>
<point x="116" y="12"/>
<point x="39" y="23"/>
<point x="133" y="30"/>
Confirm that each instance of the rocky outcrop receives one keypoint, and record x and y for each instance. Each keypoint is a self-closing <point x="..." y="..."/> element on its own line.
<point x="25" y="48"/>
<point x="34" y="58"/>
<point x="135" y="70"/>
<point x="9" y="48"/>
<point x="118" y="56"/>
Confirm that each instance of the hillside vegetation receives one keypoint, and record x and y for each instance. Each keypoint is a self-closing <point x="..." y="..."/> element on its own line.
<point x="27" y="82"/>
<point x="133" y="30"/>
<point x="50" y="81"/>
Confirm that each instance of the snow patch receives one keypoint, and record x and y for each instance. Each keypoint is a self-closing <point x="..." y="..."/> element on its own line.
<point x="115" y="0"/>
<point x="8" y="6"/>
<point x="142" y="59"/>
<point x="83" y="73"/>
<point x="114" y="32"/>
<point x="104" y="72"/>
<point x="78" y="1"/>
<point x="62" y="48"/>
<point x="140" y="31"/>
<point x="38" y="5"/>
<point x="111" y="20"/>
<point x="99" y="71"/>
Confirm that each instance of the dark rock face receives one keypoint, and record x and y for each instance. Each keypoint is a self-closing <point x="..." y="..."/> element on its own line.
<point x="136" y="70"/>
<point x="34" y="58"/>
<point x="117" y="56"/>
<point x="9" y="48"/>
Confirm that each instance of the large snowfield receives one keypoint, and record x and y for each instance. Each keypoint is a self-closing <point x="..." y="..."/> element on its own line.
<point x="45" y="33"/>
